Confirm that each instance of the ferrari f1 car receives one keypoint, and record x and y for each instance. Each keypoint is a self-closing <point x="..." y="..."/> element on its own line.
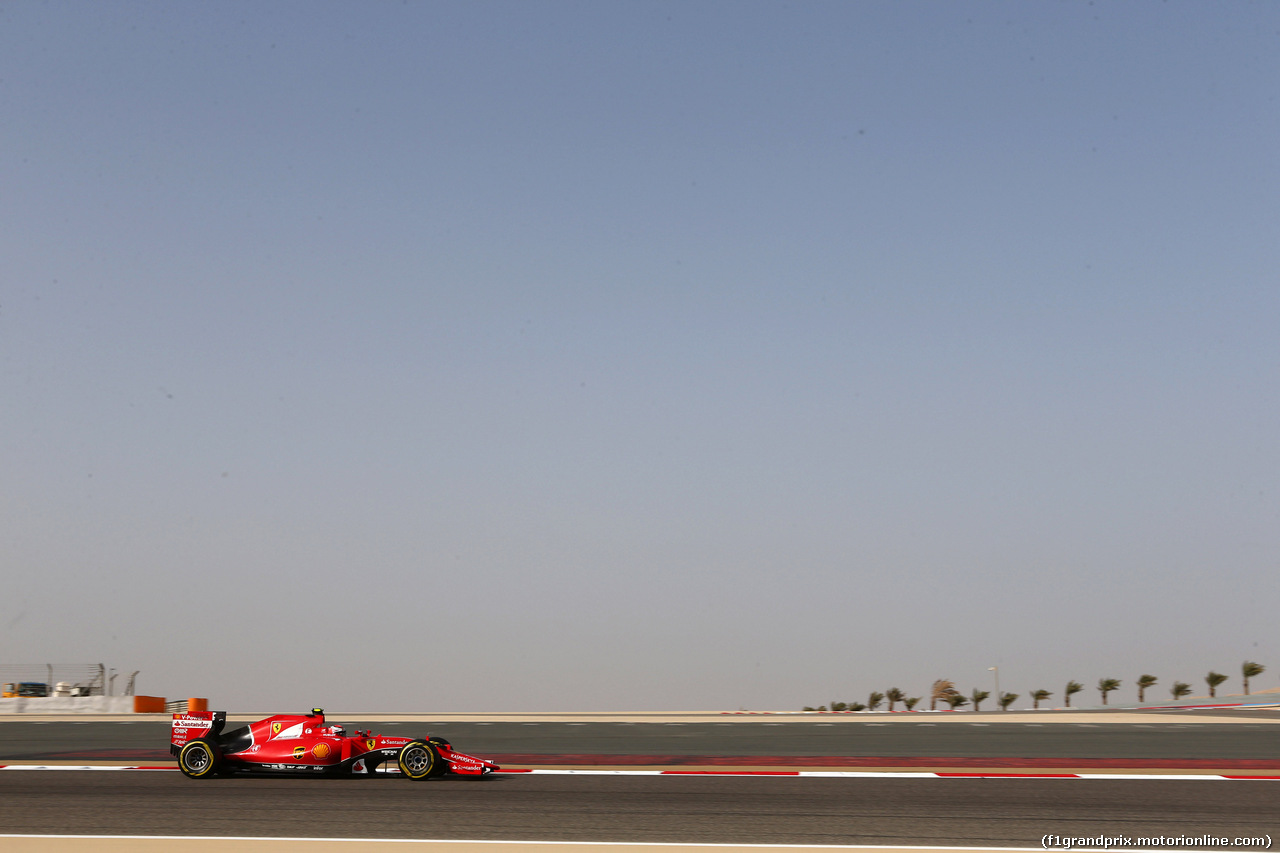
<point x="302" y="744"/>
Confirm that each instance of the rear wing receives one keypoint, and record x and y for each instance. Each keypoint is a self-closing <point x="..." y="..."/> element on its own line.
<point x="195" y="725"/>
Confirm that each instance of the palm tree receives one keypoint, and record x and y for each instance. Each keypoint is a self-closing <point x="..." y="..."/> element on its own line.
<point x="1072" y="687"/>
<point x="942" y="688"/>
<point x="978" y="696"/>
<point x="839" y="706"/>
<point x="1214" y="679"/>
<point x="1179" y="689"/>
<point x="894" y="695"/>
<point x="1144" y="681"/>
<point x="910" y="702"/>
<point x="1007" y="699"/>
<point x="874" y="700"/>
<point x="955" y="700"/>
<point x="857" y="706"/>
<point x="1249" y="669"/>
<point x="1038" y="696"/>
<point x="1106" y="685"/>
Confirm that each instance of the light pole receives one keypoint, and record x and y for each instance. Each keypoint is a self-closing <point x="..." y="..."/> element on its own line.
<point x="996" y="670"/>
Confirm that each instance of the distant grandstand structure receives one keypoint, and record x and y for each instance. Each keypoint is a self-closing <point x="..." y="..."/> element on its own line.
<point x="61" y="679"/>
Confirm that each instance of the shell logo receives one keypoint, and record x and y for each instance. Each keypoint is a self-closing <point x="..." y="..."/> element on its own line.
<point x="321" y="750"/>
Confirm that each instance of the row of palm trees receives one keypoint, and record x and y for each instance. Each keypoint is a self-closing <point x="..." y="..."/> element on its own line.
<point x="945" y="691"/>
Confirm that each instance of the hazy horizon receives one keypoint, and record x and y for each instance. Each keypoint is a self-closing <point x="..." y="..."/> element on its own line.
<point x="545" y="356"/>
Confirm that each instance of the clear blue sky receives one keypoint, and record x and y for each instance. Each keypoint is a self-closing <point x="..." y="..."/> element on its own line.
<point x="478" y="356"/>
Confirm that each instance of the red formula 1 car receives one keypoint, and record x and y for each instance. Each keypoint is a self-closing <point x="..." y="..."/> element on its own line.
<point x="302" y="744"/>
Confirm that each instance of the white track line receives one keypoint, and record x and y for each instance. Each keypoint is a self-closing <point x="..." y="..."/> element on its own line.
<point x="790" y="774"/>
<point x="709" y="845"/>
<point x="658" y="844"/>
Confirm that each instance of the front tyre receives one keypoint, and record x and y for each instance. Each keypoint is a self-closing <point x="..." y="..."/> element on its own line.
<point x="418" y="760"/>
<point x="442" y="763"/>
<point x="199" y="759"/>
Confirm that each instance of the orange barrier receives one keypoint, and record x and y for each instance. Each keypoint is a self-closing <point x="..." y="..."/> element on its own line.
<point x="148" y="704"/>
<point x="197" y="705"/>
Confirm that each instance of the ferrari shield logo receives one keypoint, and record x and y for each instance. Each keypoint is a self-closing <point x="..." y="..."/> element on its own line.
<point x="275" y="728"/>
<point x="370" y="743"/>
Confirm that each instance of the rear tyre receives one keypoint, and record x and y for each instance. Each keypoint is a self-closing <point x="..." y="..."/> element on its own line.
<point x="418" y="760"/>
<point x="200" y="759"/>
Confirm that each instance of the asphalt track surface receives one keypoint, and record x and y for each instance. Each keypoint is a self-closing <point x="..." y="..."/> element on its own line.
<point x="672" y="809"/>
<point x="1167" y="741"/>
<point x="950" y="812"/>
